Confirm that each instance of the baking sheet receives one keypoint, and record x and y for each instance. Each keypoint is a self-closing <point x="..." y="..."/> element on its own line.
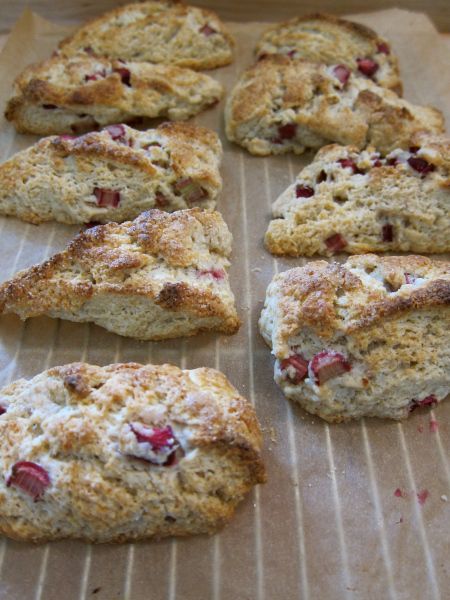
<point x="328" y="524"/>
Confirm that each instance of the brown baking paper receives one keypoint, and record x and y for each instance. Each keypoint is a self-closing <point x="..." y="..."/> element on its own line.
<point x="328" y="524"/>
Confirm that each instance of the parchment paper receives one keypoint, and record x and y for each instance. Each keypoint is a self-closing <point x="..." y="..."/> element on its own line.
<point x="328" y="524"/>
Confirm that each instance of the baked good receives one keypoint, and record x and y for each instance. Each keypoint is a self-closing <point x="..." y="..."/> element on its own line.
<point x="353" y="201"/>
<point x="124" y="452"/>
<point x="157" y="32"/>
<point x="327" y="39"/>
<point x="369" y="337"/>
<point x="112" y="175"/>
<point x="281" y="105"/>
<point x="160" y="276"/>
<point x="79" y="94"/>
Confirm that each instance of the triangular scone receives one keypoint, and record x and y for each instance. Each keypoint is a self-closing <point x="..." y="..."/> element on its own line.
<point x="330" y="40"/>
<point x="124" y="452"/>
<point x="160" y="276"/>
<point x="369" y="337"/>
<point x="112" y="175"/>
<point x="284" y="105"/>
<point x="356" y="202"/>
<point x="74" y="95"/>
<point x="157" y="32"/>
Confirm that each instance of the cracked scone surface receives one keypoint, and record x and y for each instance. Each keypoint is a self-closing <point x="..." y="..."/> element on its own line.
<point x="81" y="93"/>
<point x="369" y="337"/>
<point x="357" y="202"/>
<point x="157" y="32"/>
<point x="112" y="175"/>
<point x="327" y="39"/>
<point x="124" y="452"/>
<point x="285" y="105"/>
<point x="160" y="276"/>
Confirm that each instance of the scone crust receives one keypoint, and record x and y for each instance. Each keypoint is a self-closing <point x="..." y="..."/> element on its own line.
<point x="158" y="20"/>
<point x="168" y="260"/>
<point x="98" y="491"/>
<point x="343" y="42"/>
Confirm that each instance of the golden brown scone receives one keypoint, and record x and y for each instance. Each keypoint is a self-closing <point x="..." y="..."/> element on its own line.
<point x="82" y="93"/>
<point x="281" y="105"/>
<point x="124" y="452"/>
<point x="160" y="276"/>
<point x="369" y="337"/>
<point x="112" y="175"/>
<point x="158" y="32"/>
<point x="356" y="202"/>
<point x="327" y="39"/>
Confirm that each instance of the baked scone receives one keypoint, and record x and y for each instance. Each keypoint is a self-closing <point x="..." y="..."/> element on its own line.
<point x="369" y="337"/>
<point x="82" y="93"/>
<point x="281" y="105"/>
<point x="356" y="202"/>
<point x="112" y="175"/>
<point x="327" y="39"/>
<point x="124" y="452"/>
<point x="158" y="32"/>
<point x="160" y="276"/>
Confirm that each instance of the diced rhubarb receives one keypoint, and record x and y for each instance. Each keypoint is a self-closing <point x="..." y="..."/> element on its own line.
<point x="117" y="132"/>
<point x="420" y="165"/>
<point x="296" y="368"/>
<point x="287" y="132"/>
<point x="327" y="365"/>
<point x="89" y="50"/>
<point x="49" y="106"/>
<point x="207" y="30"/>
<point x="303" y="191"/>
<point x="217" y="274"/>
<point x="367" y="66"/>
<point x="95" y="76"/>
<point x="428" y="401"/>
<point x="29" y="477"/>
<point x="191" y="191"/>
<point x="336" y="242"/>
<point x="125" y="75"/>
<point x="377" y="163"/>
<point x="387" y="232"/>
<point x="342" y="73"/>
<point x="414" y="149"/>
<point x="410" y="278"/>
<point x="291" y="53"/>
<point x="383" y="48"/>
<point x="67" y="136"/>
<point x="392" y="161"/>
<point x="161" y="201"/>
<point x="107" y="198"/>
<point x="2" y="410"/>
<point x="349" y="163"/>
<point x="160" y="439"/>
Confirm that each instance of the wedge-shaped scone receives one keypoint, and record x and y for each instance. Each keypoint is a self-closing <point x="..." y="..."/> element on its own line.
<point x="160" y="276"/>
<point x="157" y="32"/>
<point x="327" y="39"/>
<point x="112" y="175"/>
<point x="124" y="452"/>
<point x="369" y="337"/>
<point x="79" y="94"/>
<point x="356" y="202"/>
<point x="281" y="105"/>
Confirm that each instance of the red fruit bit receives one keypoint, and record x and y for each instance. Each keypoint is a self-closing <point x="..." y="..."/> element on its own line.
<point x="304" y="191"/>
<point x="291" y="53"/>
<point x="158" y="439"/>
<point x="392" y="162"/>
<point x="89" y="50"/>
<point x="117" y="132"/>
<point x="29" y="477"/>
<point x="422" y="496"/>
<point x="414" y="149"/>
<point x="298" y="364"/>
<point x="125" y="75"/>
<point x="428" y="401"/>
<point x="399" y="493"/>
<point x="383" y="48"/>
<point x="367" y="66"/>
<point x="434" y="425"/>
<point x="217" y="274"/>
<point x="410" y="278"/>
<point x="349" y="163"/>
<point x="207" y="30"/>
<point x="288" y="131"/>
<point x="67" y="137"/>
<point x="49" y="106"/>
<point x="328" y="365"/>
<point x="161" y="201"/>
<point x="377" y="163"/>
<point x="107" y="198"/>
<point x="191" y="191"/>
<point x="387" y="232"/>
<point x="336" y="242"/>
<point x="2" y="410"/>
<point x="342" y="73"/>
<point x="95" y="76"/>
<point x="420" y="165"/>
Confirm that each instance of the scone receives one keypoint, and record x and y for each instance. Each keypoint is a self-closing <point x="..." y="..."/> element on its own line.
<point x="112" y="175"/>
<point x="124" y="452"/>
<point x="369" y="337"/>
<point x="327" y="39"/>
<point x="281" y="105"/>
<point x="79" y="94"/>
<point x="356" y="202"/>
<point x="160" y="276"/>
<point x="157" y="32"/>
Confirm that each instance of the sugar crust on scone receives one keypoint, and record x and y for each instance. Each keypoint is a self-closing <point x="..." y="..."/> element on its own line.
<point x="285" y="105"/>
<point x="124" y="452"/>
<point x="369" y="337"/>
<point x="160" y="276"/>
<point x="112" y="175"/>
